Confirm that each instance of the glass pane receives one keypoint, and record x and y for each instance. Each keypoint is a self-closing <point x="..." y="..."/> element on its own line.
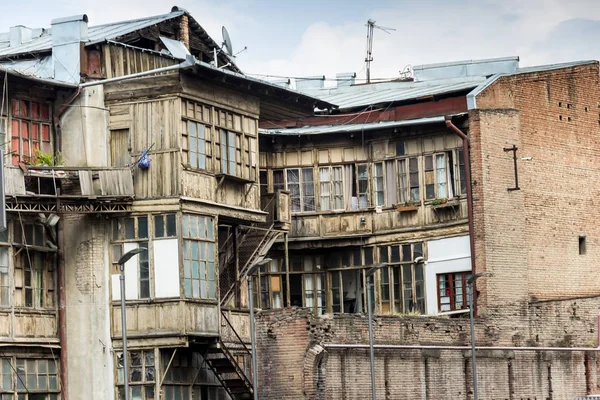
<point x="185" y="225"/>
<point x="210" y="229"/>
<point x="129" y="228"/>
<point x="159" y="226"/>
<point x="142" y="227"/>
<point x="171" y="225"/>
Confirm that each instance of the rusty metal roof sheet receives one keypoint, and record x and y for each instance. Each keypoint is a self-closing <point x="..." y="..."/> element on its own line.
<point x="322" y="129"/>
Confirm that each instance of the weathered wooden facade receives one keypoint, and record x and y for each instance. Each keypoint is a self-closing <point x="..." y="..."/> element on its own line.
<point x="362" y="198"/>
<point x="138" y="145"/>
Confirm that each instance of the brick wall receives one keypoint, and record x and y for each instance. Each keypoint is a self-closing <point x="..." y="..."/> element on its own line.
<point x="295" y="361"/>
<point x="553" y="118"/>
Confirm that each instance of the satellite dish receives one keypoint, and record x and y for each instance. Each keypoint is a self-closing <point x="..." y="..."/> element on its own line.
<point x="227" y="41"/>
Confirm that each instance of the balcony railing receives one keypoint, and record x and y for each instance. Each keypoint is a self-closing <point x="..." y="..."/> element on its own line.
<point x="68" y="189"/>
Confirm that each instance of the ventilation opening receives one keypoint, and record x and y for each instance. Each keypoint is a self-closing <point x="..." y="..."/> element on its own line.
<point x="582" y="245"/>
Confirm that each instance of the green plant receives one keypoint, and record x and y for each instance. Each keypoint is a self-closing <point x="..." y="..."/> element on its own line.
<point x="437" y="202"/>
<point x="51" y="160"/>
<point x="411" y="203"/>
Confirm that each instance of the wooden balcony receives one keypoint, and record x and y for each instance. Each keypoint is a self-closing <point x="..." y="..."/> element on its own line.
<point x="67" y="189"/>
<point x="374" y="220"/>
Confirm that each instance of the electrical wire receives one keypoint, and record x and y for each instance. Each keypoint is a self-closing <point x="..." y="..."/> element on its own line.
<point x="304" y="78"/>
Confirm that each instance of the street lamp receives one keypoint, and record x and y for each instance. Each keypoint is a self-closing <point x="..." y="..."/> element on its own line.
<point x="124" y="258"/>
<point x="370" y="272"/>
<point x="470" y="295"/>
<point x="251" y="272"/>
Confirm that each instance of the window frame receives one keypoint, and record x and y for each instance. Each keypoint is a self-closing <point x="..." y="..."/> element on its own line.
<point x="191" y="237"/>
<point x="451" y="290"/>
<point x="19" y="120"/>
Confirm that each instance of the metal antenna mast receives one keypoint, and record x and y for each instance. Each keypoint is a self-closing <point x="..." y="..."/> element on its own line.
<point x="370" y="27"/>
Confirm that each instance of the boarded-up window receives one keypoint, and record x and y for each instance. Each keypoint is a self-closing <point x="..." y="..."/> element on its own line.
<point x="119" y="147"/>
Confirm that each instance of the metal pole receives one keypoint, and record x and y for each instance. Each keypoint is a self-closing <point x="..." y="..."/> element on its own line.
<point x="124" y="332"/>
<point x="252" y="339"/>
<point x="371" y="350"/>
<point x="473" y="356"/>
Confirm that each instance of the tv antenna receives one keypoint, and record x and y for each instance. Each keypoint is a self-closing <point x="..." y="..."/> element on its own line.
<point x="228" y="47"/>
<point x="370" y="28"/>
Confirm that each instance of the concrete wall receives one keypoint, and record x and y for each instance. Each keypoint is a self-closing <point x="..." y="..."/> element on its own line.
<point x="84" y="130"/>
<point x="89" y="348"/>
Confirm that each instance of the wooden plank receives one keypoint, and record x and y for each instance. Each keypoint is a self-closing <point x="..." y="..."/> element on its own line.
<point x="85" y="183"/>
<point x="107" y="61"/>
<point x="14" y="182"/>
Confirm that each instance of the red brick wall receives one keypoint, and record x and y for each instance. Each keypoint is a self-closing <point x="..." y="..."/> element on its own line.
<point x="529" y="238"/>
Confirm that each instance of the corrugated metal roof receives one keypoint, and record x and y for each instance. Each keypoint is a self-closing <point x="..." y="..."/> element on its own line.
<point x="96" y="34"/>
<point x="34" y="78"/>
<point x="318" y="130"/>
<point x="381" y="93"/>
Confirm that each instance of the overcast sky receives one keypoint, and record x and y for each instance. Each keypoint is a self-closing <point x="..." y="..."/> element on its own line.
<point x="317" y="37"/>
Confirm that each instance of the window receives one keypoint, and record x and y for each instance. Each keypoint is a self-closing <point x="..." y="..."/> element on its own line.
<point x="453" y="291"/>
<point x="331" y="185"/>
<point x="378" y="180"/>
<point x="219" y="141"/>
<point x="278" y="180"/>
<point x="346" y="271"/>
<point x="29" y="379"/>
<point x="436" y="177"/>
<point x="230" y="147"/>
<point x="142" y="375"/>
<point x="408" y="180"/>
<point x="271" y="289"/>
<point x="300" y="184"/>
<point x="325" y="188"/>
<point x="199" y="142"/>
<point x="402" y="283"/>
<point x="30" y="129"/>
<point x="132" y="233"/>
<point x="363" y="185"/>
<point x="34" y="264"/>
<point x="199" y="257"/>
<point x="165" y="226"/>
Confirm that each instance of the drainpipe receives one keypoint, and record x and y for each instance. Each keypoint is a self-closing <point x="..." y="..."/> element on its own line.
<point x="465" y="140"/>
<point x="62" y="312"/>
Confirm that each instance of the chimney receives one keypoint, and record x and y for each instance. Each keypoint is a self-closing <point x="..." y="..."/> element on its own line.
<point x="183" y="35"/>
<point x="310" y="83"/>
<point x="67" y="36"/>
<point x="18" y="35"/>
<point x="345" y="78"/>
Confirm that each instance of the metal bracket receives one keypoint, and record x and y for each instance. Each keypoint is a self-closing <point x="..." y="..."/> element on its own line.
<point x="514" y="150"/>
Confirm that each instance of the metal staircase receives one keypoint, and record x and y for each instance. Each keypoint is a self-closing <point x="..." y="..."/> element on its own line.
<point x="253" y="245"/>
<point x="221" y="359"/>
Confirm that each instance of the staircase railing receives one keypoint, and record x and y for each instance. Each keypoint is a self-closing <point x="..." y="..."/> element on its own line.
<point x="239" y="370"/>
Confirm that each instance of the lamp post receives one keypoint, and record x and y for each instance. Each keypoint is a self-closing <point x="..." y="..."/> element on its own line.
<point x="124" y="258"/>
<point x="370" y="272"/>
<point x="470" y="295"/>
<point x="251" y="272"/>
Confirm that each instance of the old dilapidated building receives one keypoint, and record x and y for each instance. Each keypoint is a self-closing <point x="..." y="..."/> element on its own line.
<point x="123" y="136"/>
<point x="145" y="134"/>
<point x="467" y="167"/>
